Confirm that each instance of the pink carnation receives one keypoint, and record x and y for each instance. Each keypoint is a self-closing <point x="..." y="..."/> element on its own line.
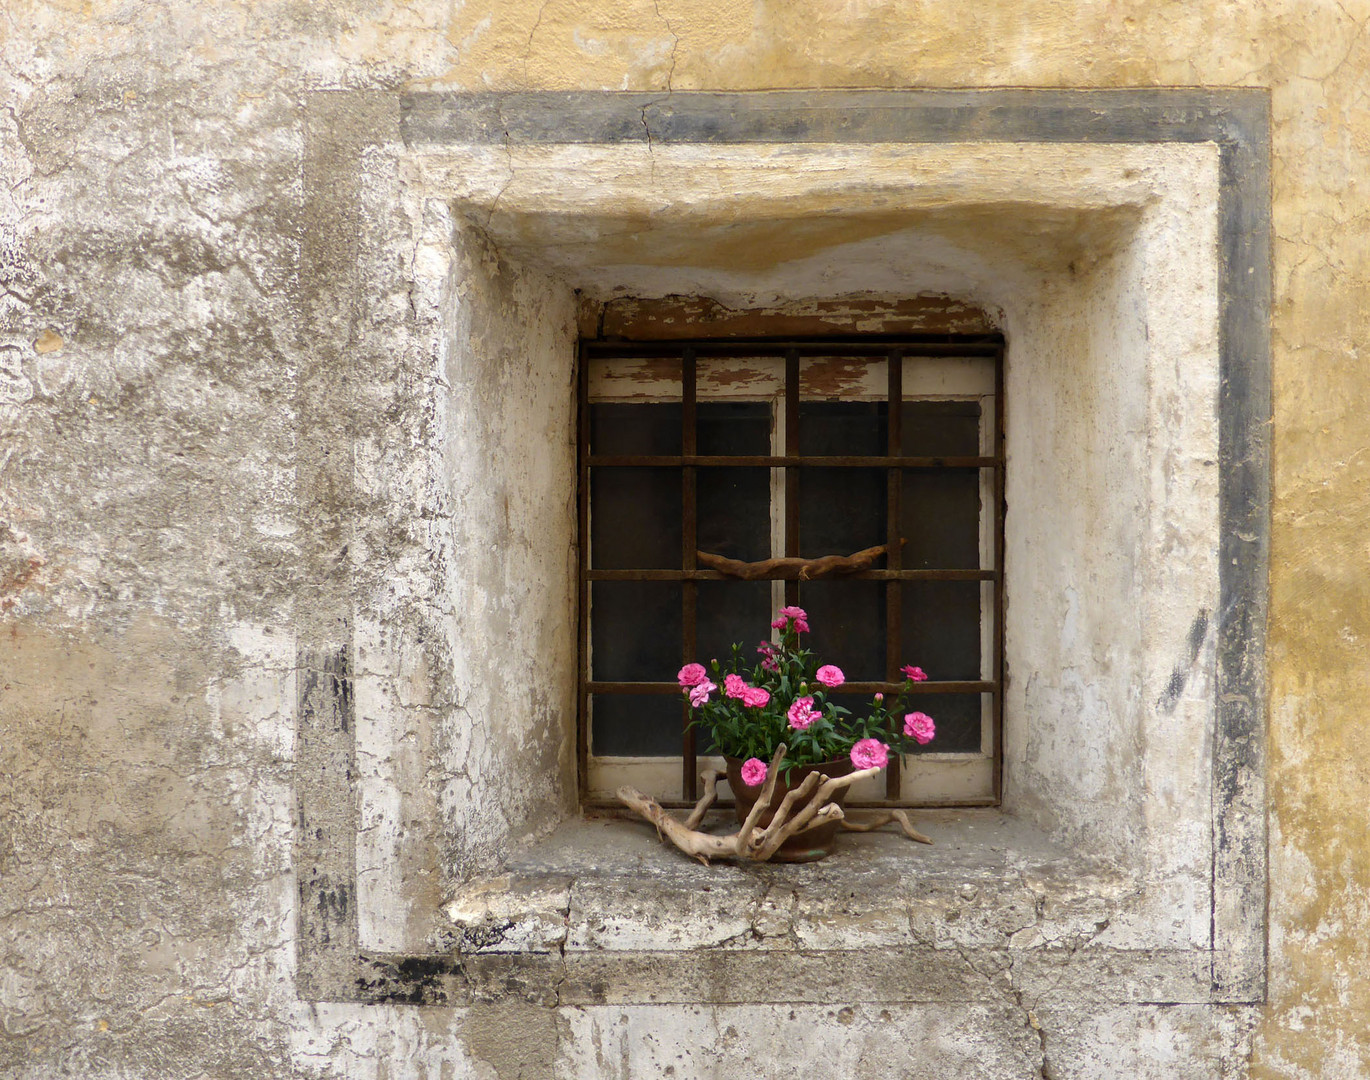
<point x="700" y="694"/>
<point x="754" y="697"/>
<point x="870" y="754"/>
<point x="734" y="685"/>
<point x="830" y="676"/>
<point x="753" y="772"/>
<point x="767" y="650"/>
<point x="691" y="675"/>
<point x="796" y="615"/>
<point x="919" y="726"/>
<point x="917" y="674"/>
<point x="802" y="713"/>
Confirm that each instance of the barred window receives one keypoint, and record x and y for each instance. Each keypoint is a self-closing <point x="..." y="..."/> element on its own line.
<point x="751" y="449"/>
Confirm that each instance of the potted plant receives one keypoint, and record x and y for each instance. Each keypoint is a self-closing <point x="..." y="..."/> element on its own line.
<point x="792" y="752"/>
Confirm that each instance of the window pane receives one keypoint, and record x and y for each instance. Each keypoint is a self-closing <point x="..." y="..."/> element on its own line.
<point x="635" y="428"/>
<point x="731" y="611"/>
<point x="939" y="515"/>
<point x="843" y="427"/>
<point x="633" y="725"/>
<point x="957" y="717"/>
<point x="733" y="505"/>
<point x="635" y="518"/>
<point x="941" y="628"/>
<point x="733" y="427"/>
<point x="636" y="631"/>
<point x="848" y="621"/>
<point x="733" y="510"/>
<point x="940" y="428"/>
<point x="841" y="511"/>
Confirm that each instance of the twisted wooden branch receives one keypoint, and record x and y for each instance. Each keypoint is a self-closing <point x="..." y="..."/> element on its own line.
<point x="794" y="569"/>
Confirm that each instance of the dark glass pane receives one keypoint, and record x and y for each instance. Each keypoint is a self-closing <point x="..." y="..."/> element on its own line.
<point x="957" y="717"/>
<point x="940" y="429"/>
<point x="843" y="427"/>
<point x="630" y="725"/>
<point x="635" y="518"/>
<point x="939" y="514"/>
<point x="734" y="515"/>
<point x="841" y="511"/>
<point x="618" y="427"/>
<point x="635" y="631"/>
<point x="733" y="427"/>
<point x="848" y="626"/>
<point x="728" y="612"/>
<point x="941" y="629"/>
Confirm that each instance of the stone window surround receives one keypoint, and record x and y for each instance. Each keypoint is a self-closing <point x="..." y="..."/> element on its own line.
<point x="334" y="962"/>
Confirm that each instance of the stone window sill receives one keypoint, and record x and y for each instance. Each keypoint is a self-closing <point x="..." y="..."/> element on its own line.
<point x="613" y="916"/>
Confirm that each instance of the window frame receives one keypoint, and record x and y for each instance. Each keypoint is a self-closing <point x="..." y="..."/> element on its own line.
<point x="892" y="351"/>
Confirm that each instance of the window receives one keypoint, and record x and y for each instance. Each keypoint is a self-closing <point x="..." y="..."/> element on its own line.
<point x="750" y="449"/>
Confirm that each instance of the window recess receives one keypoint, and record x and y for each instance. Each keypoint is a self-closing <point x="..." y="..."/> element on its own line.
<point x="754" y="448"/>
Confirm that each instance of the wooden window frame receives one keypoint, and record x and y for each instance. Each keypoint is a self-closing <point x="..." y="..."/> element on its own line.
<point x="895" y="352"/>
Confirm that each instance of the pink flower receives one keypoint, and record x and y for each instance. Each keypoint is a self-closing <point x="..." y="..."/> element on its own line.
<point x="919" y="726"/>
<point x="700" y="694"/>
<point x="791" y="614"/>
<point x="917" y="674"/>
<point x="754" y="697"/>
<point x="734" y="685"/>
<point x="691" y="675"/>
<point x="870" y="754"/>
<point x="802" y="713"/>
<point x="753" y="772"/>
<point x="830" y="676"/>
<point x="879" y="697"/>
<point x="767" y="650"/>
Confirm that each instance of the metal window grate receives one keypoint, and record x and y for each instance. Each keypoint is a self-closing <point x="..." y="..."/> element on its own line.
<point x="891" y="352"/>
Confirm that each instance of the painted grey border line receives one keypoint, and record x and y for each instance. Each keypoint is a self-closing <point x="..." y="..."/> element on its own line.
<point x="1238" y="122"/>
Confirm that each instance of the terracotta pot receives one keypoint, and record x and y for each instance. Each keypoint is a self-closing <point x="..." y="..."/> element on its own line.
<point x="808" y="846"/>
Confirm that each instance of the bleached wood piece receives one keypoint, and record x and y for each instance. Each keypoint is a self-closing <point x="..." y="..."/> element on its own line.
<point x="813" y="797"/>
<point x="820" y="800"/>
<point x="884" y="817"/>
<point x="710" y="778"/>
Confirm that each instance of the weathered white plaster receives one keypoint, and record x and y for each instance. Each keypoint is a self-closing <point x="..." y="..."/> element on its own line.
<point x="1102" y="262"/>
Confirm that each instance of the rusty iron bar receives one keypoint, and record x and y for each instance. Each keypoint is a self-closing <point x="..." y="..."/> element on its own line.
<point x="926" y="574"/>
<point x="826" y="347"/>
<point x="947" y="687"/>
<point x="689" y="587"/>
<point x="894" y="589"/>
<point x="789" y="461"/>
<point x="583" y="564"/>
<point x="1000" y="509"/>
<point x="791" y="467"/>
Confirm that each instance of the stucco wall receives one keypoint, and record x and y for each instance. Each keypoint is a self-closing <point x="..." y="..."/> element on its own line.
<point x="157" y="342"/>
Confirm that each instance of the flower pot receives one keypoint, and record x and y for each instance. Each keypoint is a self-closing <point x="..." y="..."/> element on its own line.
<point x="808" y="846"/>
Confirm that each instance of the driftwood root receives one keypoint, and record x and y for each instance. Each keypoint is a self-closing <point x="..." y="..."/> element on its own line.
<point x="806" y="807"/>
